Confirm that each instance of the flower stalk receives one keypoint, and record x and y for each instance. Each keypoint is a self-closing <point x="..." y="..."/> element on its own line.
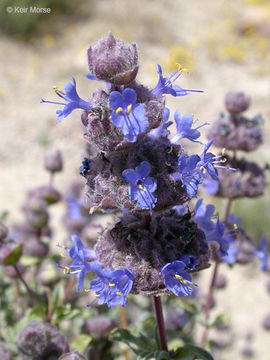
<point x="160" y="323"/>
<point x="29" y="291"/>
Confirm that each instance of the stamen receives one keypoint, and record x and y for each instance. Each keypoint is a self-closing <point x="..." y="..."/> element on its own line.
<point x="203" y="170"/>
<point x="141" y="187"/>
<point x="63" y="256"/>
<point x="56" y="90"/>
<point x="87" y="290"/>
<point x="117" y="111"/>
<point x="118" y="293"/>
<point x="128" y="109"/>
<point x="223" y="160"/>
<point x="181" y="69"/>
<point x="66" y="270"/>
<point x="235" y="227"/>
<point x="223" y="152"/>
<point x="111" y="285"/>
<point x="170" y="150"/>
<point x="179" y="277"/>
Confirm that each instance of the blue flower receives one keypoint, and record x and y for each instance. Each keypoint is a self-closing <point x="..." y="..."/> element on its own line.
<point x="184" y="128"/>
<point x="71" y="100"/>
<point x="83" y="260"/>
<point x="233" y="219"/>
<point x="191" y="178"/>
<point x="128" y="115"/>
<point x="91" y="77"/>
<point x="142" y="186"/>
<point x="191" y="261"/>
<point x="261" y="253"/>
<point x="176" y="279"/>
<point x="101" y="285"/>
<point x="123" y="281"/>
<point x="203" y="215"/>
<point x="218" y="235"/>
<point x="112" y="287"/>
<point x="209" y="162"/>
<point x="162" y="131"/>
<point x="165" y="85"/>
<point x="210" y="186"/>
<point x="230" y="258"/>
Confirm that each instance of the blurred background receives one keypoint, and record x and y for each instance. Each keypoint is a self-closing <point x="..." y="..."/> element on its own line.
<point x="226" y="46"/>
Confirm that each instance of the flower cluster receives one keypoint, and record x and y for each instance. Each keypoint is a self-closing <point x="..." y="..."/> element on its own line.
<point x="236" y="132"/>
<point x="141" y="169"/>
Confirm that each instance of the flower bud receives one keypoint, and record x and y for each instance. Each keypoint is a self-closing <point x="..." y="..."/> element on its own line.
<point x="47" y="193"/>
<point x="37" y="220"/>
<point x="10" y="252"/>
<point x="35" y="205"/>
<point x="5" y="352"/>
<point x="99" y="326"/>
<point x="113" y="60"/>
<point x="237" y="102"/>
<point x="248" y="181"/>
<point x="41" y="340"/>
<point x="3" y="231"/>
<point x="74" y="355"/>
<point x="33" y="246"/>
<point x="53" y="161"/>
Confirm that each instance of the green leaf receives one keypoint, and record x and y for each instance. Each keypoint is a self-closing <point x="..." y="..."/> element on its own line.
<point x="138" y="344"/>
<point x="37" y="313"/>
<point x="191" y="352"/>
<point x="80" y="342"/>
<point x="143" y="346"/>
<point x="156" y="336"/>
<point x="58" y="294"/>
<point x="62" y="313"/>
<point x="14" y="256"/>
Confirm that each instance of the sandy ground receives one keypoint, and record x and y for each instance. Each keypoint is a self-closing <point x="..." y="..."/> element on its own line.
<point x="207" y="31"/>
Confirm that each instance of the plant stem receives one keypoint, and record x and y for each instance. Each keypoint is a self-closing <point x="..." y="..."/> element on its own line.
<point x="29" y="291"/>
<point x="123" y="324"/>
<point x="51" y="179"/>
<point x="228" y="209"/>
<point x="160" y="323"/>
<point x="211" y="289"/>
<point x="209" y="298"/>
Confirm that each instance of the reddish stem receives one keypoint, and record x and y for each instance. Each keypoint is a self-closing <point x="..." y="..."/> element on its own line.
<point x="29" y="291"/>
<point x="160" y="323"/>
